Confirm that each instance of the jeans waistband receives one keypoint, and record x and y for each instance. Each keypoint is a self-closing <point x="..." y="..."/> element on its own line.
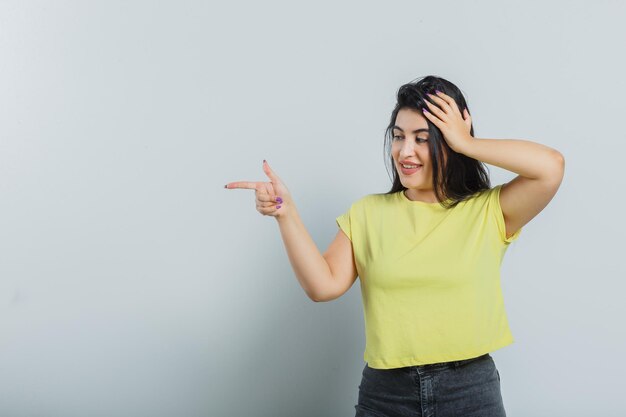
<point x="451" y="364"/>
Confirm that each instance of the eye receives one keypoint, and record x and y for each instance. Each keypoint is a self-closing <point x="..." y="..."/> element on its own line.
<point x="418" y="140"/>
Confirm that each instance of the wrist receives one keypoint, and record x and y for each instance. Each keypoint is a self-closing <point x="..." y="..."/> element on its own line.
<point x="286" y="214"/>
<point x="466" y="148"/>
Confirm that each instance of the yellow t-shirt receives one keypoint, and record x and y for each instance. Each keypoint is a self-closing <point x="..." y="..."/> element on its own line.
<point x="430" y="277"/>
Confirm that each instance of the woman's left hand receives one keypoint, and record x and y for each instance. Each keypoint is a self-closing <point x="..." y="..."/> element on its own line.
<point x="447" y="117"/>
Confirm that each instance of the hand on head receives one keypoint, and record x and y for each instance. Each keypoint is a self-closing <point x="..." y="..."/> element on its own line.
<point x="272" y="198"/>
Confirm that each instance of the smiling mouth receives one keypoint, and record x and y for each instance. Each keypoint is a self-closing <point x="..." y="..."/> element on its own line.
<point x="410" y="171"/>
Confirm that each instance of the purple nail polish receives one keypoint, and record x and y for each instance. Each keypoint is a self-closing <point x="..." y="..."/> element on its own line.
<point x="425" y="111"/>
<point x="277" y="207"/>
<point x="437" y="91"/>
<point x="279" y="200"/>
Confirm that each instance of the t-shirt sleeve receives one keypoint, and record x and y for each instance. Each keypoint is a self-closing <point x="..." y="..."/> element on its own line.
<point x="343" y="221"/>
<point x="496" y="213"/>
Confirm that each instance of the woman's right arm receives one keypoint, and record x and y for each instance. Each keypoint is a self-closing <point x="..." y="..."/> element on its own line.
<point x="323" y="277"/>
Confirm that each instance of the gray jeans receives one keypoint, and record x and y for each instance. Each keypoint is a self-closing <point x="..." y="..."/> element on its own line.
<point x="467" y="388"/>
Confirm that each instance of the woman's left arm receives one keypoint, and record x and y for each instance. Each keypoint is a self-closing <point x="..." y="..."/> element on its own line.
<point x="540" y="169"/>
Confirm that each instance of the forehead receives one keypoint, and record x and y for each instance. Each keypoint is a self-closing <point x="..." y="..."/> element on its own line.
<point x="409" y="120"/>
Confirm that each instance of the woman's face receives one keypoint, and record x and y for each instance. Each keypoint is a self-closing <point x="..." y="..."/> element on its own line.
<point x="410" y="146"/>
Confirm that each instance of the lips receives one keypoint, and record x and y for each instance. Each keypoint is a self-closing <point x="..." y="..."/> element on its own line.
<point x="409" y="162"/>
<point x="409" y="171"/>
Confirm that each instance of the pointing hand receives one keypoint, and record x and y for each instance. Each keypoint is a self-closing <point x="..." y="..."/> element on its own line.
<point x="272" y="198"/>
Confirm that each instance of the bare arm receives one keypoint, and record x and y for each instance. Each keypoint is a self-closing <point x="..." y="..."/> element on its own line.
<point x="340" y="258"/>
<point x="323" y="278"/>
<point x="310" y="267"/>
<point x="540" y="168"/>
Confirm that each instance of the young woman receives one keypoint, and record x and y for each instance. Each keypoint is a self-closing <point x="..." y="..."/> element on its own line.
<point x="428" y="255"/>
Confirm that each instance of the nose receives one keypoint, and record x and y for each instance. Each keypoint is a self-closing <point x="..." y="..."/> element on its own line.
<point x="407" y="148"/>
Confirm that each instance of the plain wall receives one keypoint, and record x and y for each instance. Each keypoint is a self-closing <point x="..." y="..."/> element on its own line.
<point x="133" y="284"/>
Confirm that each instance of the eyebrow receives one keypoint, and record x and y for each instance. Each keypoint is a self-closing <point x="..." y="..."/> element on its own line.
<point x="415" y="131"/>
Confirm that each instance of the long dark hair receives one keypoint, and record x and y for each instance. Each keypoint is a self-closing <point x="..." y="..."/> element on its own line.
<point x="458" y="179"/>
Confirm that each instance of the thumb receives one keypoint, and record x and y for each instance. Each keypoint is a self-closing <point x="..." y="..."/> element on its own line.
<point x="270" y="174"/>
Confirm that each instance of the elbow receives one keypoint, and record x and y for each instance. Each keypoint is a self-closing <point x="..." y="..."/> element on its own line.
<point x="321" y="298"/>
<point x="558" y="167"/>
<point x="326" y="290"/>
<point x="314" y="297"/>
<point x="317" y="299"/>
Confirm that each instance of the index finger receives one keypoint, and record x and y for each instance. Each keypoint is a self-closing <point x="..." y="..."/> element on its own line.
<point x="449" y="100"/>
<point x="242" y="184"/>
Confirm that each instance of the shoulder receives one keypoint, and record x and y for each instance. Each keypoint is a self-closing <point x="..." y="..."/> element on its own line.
<point x="483" y="196"/>
<point x="492" y="194"/>
<point x="479" y="200"/>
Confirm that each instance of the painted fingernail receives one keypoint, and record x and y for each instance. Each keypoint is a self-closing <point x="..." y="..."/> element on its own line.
<point x="264" y="161"/>
<point x="425" y="111"/>
<point x="279" y="200"/>
<point x="226" y="186"/>
<point x="277" y="207"/>
<point x="437" y="91"/>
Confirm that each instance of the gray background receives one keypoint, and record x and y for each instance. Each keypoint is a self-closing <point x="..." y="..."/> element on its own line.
<point x="133" y="284"/>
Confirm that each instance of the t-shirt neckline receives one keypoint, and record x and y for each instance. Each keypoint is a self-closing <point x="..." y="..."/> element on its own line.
<point x="417" y="202"/>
